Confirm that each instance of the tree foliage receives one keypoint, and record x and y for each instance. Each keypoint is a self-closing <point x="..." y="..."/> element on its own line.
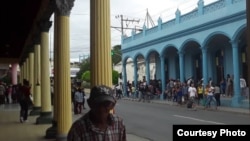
<point x="115" y="76"/>
<point x="84" y="73"/>
<point x="117" y="54"/>
<point x="86" y="76"/>
<point x="84" y="66"/>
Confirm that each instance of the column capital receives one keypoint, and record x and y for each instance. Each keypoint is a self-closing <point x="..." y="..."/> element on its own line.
<point x="204" y="50"/>
<point x="45" y="25"/>
<point x="30" y="49"/>
<point x="181" y="53"/>
<point x="64" y="7"/>
<point x="135" y="61"/>
<point x="234" y="43"/>
<point x="162" y="56"/>
<point x="124" y="65"/>
<point x="37" y="38"/>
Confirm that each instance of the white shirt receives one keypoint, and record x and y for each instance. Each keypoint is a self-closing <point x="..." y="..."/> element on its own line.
<point x="210" y="91"/>
<point x="243" y="83"/>
<point x="192" y="91"/>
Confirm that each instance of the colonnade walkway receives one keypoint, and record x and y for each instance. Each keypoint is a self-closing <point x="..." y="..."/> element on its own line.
<point x="12" y="130"/>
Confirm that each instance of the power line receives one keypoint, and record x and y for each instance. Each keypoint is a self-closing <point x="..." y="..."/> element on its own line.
<point x="127" y="21"/>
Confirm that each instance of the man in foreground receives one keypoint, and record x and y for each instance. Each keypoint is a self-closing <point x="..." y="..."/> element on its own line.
<point x="99" y="124"/>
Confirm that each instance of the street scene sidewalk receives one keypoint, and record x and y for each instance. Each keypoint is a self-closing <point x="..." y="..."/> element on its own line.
<point x="12" y="130"/>
<point x="219" y="108"/>
<point x="10" y="124"/>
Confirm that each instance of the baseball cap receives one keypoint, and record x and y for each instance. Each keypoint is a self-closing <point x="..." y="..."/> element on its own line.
<point x="101" y="93"/>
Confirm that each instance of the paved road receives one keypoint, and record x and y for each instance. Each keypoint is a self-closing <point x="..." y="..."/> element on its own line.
<point x="154" y="121"/>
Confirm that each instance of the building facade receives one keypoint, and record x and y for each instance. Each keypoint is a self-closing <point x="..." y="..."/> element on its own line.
<point x="207" y="43"/>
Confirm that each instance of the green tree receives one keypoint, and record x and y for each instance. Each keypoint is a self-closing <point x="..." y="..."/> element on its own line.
<point x="86" y="76"/>
<point x="116" y="54"/>
<point x="115" y="76"/>
<point x="84" y="66"/>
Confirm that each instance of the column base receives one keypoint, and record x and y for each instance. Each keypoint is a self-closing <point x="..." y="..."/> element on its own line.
<point x="236" y="101"/>
<point x="52" y="131"/>
<point x="45" y="118"/>
<point x="35" y="111"/>
<point x="162" y="96"/>
<point x="61" y="138"/>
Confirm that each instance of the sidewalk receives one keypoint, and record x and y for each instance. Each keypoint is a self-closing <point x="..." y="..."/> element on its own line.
<point x="12" y="130"/>
<point x="220" y="108"/>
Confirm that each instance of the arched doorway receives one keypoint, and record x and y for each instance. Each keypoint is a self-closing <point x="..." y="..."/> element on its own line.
<point x="219" y="57"/>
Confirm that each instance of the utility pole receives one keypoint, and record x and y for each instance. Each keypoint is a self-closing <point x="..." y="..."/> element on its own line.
<point x="148" y="20"/>
<point x="122" y="24"/>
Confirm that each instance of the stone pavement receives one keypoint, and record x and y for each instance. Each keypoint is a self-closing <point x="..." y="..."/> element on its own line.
<point x="12" y="130"/>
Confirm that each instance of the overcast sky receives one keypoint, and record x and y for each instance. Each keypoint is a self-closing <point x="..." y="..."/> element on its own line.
<point x="131" y="10"/>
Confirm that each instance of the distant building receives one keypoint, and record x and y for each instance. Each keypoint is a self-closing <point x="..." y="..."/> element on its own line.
<point x="141" y="69"/>
<point x="74" y="68"/>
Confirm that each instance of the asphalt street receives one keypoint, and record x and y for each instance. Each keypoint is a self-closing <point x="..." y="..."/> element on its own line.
<point x="155" y="121"/>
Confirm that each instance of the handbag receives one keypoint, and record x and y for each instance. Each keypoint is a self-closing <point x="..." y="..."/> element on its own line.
<point x="30" y="100"/>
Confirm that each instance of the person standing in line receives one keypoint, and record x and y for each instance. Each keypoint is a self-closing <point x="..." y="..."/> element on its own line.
<point x="99" y="124"/>
<point x="192" y="91"/>
<point x="229" y="86"/>
<point x="9" y="94"/>
<point x="78" y="98"/>
<point x="52" y="94"/>
<point x="223" y="87"/>
<point x="200" y="94"/>
<point x="243" y="86"/>
<point x="185" y="92"/>
<point x="217" y="94"/>
<point x="83" y="101"/>
<point x="2" y="92"/>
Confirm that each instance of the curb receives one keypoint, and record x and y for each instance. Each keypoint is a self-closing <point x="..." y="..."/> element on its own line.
<point x="221" y="108"/>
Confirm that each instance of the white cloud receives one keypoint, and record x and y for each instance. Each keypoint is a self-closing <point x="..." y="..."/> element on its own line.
<point x="130" y="9"/>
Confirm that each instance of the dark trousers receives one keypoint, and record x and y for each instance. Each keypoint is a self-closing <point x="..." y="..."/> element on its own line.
<point x="24" y="109"/>
<point x="2" y="99"/>
<point x="217" y="98"/>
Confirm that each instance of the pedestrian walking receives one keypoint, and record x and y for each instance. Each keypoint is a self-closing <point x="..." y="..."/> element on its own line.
<point x="24" y="100"/>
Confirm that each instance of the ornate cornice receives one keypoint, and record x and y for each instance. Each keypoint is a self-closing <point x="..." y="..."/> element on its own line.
<point x="45" y="26"/>
<point x="64" y="7"/>
<point x="37" y="38"/>
<point x="189" y="31"/>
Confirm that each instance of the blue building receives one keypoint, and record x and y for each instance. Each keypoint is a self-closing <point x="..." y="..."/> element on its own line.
<point x="207" y="43"/>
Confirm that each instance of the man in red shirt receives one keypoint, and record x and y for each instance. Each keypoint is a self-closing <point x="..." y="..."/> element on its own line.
<point x="24" y="100"/>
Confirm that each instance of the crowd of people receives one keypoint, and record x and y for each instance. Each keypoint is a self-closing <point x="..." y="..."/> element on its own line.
<point x="13" y="94"/>
<point x="8" y="93"/>
<point x="191" y="91"/>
